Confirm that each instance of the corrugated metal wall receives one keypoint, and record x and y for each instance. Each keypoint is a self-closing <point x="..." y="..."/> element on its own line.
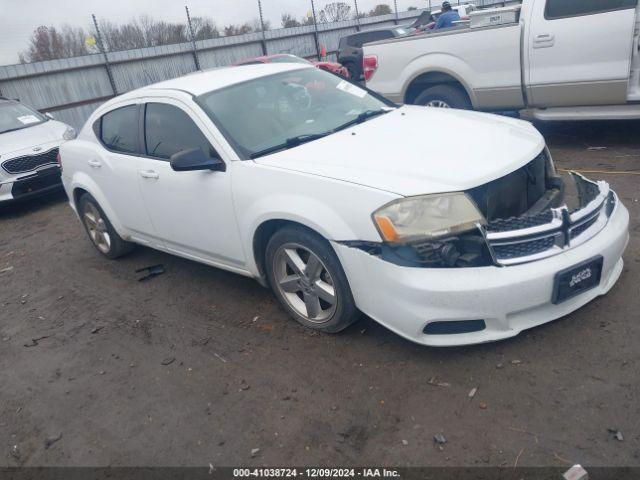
<point x="72" y="88"/>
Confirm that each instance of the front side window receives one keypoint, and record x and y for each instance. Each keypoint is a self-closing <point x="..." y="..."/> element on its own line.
<point x="169" y="130"/>
<point x="573" y="8"/>
<point x="280" y="111"/>
<point x="15" y="116"/>
<point x="119" y="129"/>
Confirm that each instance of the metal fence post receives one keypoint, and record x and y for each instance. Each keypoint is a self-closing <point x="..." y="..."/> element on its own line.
<point x="395" y="6"/>
<point x="315" y="29"/>
<point x="264" y="36"/>
<point x="104" y="54"/>
<point x="193" y="40"/>
<point x="357" y="16"/>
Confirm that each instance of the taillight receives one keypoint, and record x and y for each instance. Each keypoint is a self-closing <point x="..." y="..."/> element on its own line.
<point x="369" y="66"/>
<point x="59" y="160"/>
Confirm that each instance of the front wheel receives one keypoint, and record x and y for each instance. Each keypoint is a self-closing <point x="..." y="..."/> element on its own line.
<point x="308" y="280"/>
<point x="444" y="96"/>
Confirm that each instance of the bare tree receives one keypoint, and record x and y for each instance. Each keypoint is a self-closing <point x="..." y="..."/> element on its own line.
<point x="49" y="43"/>
<point x="257" y="26"/>
<point x="335" y="12"/>
<point x="381" y="9"/>
<point x="204" y="27"/>
<point x="289" y="21"/>
<point x="231" y="30"/>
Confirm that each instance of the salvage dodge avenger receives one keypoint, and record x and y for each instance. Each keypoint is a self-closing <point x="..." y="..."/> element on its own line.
<point x="343" y="202"/>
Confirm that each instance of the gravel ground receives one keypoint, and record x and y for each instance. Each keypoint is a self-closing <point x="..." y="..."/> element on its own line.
<point x="201" y="366"/>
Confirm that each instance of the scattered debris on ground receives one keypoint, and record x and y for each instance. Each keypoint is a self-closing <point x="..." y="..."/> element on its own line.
<point x="15" y="452"/>
<point x="168" y="361"/>
<point x="439" y="440"/>
<point x="617" y="434"/>
<point x="255" y="451"/>
<point x="433" y="381"/>
<point x="473" y="392"/>
<point x="576" y="473"/>
<point x="36" y="341"/>
<point x="49" y="441"/>
<point x="152" y="271"/>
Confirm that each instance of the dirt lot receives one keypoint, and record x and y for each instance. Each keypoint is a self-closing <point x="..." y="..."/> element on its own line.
<point x="240" y="375"/>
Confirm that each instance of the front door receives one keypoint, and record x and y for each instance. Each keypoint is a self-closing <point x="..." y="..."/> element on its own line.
<point x="579" y="52"/>
<point x="192" y="212"/>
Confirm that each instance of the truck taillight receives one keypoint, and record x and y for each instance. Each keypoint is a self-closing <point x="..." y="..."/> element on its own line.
<point x="59" y="160"/>
<point x="369" y="66"/>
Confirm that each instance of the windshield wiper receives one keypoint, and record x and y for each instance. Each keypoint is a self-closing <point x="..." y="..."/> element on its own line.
<point x="290" y="143"/>
<point x="361" y="118"/>
<point x="300" y="139"/>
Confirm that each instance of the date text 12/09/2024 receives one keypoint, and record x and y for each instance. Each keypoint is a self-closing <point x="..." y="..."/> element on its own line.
<point x="315" y="473"/>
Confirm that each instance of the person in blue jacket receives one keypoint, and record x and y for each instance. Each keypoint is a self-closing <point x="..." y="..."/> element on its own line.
<point x="447" y="17"/>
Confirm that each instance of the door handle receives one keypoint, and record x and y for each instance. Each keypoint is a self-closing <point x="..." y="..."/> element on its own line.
<point x="94" y="163"/>
<point x="149" y="174"/>
<point x="545" y="40"/>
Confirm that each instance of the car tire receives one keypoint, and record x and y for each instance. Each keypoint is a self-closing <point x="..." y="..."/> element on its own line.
<point x="444" y="96"/>
<point x="99" y="229"/>
<point x="354" y="71"/>
<point x="308" y="280"/>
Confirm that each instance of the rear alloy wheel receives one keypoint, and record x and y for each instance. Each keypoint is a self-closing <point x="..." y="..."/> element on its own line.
<point x="100" y="231"/>
<point x="308" y="280"/>
<point x="444" y="96"/>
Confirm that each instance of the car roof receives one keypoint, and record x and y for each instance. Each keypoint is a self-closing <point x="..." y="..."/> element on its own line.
<point x="208" y="80"/>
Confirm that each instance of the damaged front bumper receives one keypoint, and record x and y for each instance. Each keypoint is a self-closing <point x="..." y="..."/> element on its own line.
<point x="553" y="231"/>
<point x="499" y="301"/>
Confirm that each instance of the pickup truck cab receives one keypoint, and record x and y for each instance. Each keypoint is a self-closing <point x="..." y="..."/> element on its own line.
<point x="559" y="60"/>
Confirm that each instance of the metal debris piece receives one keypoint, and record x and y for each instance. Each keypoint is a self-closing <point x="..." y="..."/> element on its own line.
<point x="15" y="452"/>
<point x="255" y="451"/>
<point x="576" y="473"/>
<point x="51" y="440"/>
<point x="439" y="439"/>
<point x="152" y="271"/>
<point x="473" y="392"/>
<point x="516" y="362"/>
<point x="405" y="442"/>
<point x="6" y="270"/>
<point x="96" y="330"/>
<point x="433" y="381"/>
<point x="617" y="434"/>
<point x="35" y="341"/>
<point x="168" y="361"/>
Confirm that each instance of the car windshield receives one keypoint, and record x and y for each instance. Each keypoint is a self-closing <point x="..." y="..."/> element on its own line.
<point x="288" y="59"/>
<point x="281" y="111"/>
<point x="15" y="116"/>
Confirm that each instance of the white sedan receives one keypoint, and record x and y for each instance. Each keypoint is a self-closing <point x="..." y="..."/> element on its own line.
<point x="344" y="203"/>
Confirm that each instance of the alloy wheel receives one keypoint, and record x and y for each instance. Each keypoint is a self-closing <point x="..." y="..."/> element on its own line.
<point x="438" y="104"/>
<point x="305" y="283"/>
<point x="97" y="228"/>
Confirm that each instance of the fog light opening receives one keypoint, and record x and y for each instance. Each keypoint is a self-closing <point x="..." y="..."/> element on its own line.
<point x="454" y="327"/>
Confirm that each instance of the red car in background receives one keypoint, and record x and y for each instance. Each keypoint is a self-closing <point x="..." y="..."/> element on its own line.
<point x="332" y="67"/>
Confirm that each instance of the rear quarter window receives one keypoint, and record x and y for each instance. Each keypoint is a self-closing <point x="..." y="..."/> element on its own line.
<point x="556" y="9"/>
<point x="118" y="129"/>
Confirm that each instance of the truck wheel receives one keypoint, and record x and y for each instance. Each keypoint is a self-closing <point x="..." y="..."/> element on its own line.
<point x="444" y="96"/>
<point x="306" y="277"/>
<point x="100" y="231"/>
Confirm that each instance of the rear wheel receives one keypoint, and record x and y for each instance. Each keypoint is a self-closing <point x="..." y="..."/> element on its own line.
<point x="444" y="96"/>
<point x="308" y="280"/>
<point x="100" y="231"/>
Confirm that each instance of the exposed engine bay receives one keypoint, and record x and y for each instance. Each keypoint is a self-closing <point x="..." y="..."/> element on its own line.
<point x="530" y="214"/>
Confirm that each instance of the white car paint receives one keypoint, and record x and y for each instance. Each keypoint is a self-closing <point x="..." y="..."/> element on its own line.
<point x="582" y="61"/>
<point x="332" y="186"/>
<point x="33" y="140"/>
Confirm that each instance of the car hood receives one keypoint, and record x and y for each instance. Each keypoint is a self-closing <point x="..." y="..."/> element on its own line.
<point x="418" y="150"/>
<point x="47" y="132"/>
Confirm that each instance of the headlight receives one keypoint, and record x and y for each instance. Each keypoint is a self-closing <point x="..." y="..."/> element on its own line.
<point x="69" y="133"/>
<point x="427" y="217"/>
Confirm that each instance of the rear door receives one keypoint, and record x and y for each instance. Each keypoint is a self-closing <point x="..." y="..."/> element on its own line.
<point x="579" y="52"/>
<point x="192" y="212"/>
<point x="114" y="168"/>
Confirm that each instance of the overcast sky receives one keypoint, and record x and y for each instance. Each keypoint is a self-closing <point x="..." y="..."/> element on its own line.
<point x="18" y="18"/>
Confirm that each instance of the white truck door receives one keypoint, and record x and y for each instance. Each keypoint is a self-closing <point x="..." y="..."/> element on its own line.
<point x="578" y="52"/>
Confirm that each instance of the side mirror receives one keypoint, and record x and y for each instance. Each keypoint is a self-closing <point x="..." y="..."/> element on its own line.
<point x="195" y="159"/>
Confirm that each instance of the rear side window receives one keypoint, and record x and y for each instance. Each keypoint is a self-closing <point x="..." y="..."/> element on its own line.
<point x="574" y="8"/>
<point x="119" y="129"/>
<point x="169" y="130"/>
<point x="354" y="41"/>
<point x="379" y="35"/>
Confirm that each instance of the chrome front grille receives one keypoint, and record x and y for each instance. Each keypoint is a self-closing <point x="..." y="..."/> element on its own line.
<point x="29" y="163"/>
<point x="529" y="238"/>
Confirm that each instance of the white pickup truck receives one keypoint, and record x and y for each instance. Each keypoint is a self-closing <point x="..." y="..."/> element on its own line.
<point x="559" y="60"/>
